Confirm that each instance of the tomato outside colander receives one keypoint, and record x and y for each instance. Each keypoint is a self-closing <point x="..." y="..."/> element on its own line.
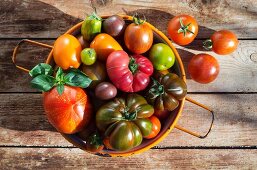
<point x="167" y="125"/>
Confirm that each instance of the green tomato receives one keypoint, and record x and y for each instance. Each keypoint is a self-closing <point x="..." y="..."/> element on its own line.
<point x="91" y="26"/>
<point x="88" y="56"/>
<point x="162" y="56"/>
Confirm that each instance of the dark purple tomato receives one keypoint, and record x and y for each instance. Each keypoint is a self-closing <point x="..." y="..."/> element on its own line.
<point x="105" y="91"/>
<point x="114" y="26"/>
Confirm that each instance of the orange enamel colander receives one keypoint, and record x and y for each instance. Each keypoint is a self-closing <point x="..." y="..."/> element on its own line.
<point x="169" y="123"/>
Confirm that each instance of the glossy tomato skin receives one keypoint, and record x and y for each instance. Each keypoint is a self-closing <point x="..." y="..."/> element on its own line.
<point x="104" y="45"/>
<point x="162" y="56"/>
<point x="125" y="121"/>
<point x="174" y="25"/>
<point x="224" y="42"/>
<point x="156" y="127"/>
<point x="114" y="26"/>
<point x="138" y="38"/>
<point x="69" y="112"/>
<point x="203" y="68"/>
<point x="105" y="91"/>
<point x="118" y="69"/>
<point x="66" y="52"/>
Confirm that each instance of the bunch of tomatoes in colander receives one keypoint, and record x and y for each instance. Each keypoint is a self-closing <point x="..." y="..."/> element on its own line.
<point x="114" y="85"/>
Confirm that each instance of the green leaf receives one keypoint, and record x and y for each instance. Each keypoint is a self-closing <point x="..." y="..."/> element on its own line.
<point x="41" y="69"/>
<point x="60" y="89"/>
<point x="43" y="82"/>
<point x="75" y="77"/>
<point x="59" y="75"/>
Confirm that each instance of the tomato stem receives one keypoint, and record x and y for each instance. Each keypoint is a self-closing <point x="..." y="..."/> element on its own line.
<point x="95" y="139"/>
<point x="156" y="89"/>
<point x="207" y="44"/>
<point x="184" y="28"/>
<point x="133" y="66"/>
<point x="137" y="20"/>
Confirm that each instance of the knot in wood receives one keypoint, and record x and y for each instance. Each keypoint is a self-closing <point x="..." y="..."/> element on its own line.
<point x="253" y="57"/>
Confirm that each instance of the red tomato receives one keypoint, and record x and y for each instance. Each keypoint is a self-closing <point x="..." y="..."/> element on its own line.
<point x="156" y="127"/>
<point x="138" y="37"/>
<point x="66" y="51"/>
<point x="224" y="42"/>
<point x="203" y="68"/>
<point x="68" y="112"/>
<point x="129" y="74"/>
<point x="182" y="29"/>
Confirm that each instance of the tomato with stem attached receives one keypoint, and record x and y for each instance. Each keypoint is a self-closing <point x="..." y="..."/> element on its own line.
<point x="203" y="68"/>
<point x="222" y="42"/>
<point x="182" y="29"/>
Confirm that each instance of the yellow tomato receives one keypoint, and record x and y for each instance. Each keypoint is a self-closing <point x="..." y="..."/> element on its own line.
<point x="67" y="51"/>
<point x="104" y="45"/>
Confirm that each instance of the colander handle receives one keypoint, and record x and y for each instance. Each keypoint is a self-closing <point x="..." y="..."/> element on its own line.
<point x="15" y="51"/>
<point x="194" y="133"/>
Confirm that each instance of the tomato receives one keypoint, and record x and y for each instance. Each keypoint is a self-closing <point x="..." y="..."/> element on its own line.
<point x="88" y="56"/>
<point x="203" y="68"/>
<point x="66" y="51"/>
<point x="156" y="127"/>
<point x="161" y="56"/>
<point x="125" y="121"/>
<point x="222" y="42"/>
<point x="91" y="26"/>
<point x="96" y="72"/>
<point x="166" y="92"/>
<point x="104" y="45"/>
<point x="68" y="112"/>
<point x="114" y="26"/>
<point x="161" y="114"/>
<point x="105" y="91"/>
<point x="182" y="29"/>
<point x="129" y="74"/>
<point x="94" y="143"/>
<point x="138" y="37"/>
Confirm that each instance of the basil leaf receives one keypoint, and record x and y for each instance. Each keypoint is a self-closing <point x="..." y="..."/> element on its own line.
<point x="60" y="89"/>
<point x="59" y="75"/>
<point x="41" y="69"/>
<point x="75" y="77"/>
<point x="43" y="82"/>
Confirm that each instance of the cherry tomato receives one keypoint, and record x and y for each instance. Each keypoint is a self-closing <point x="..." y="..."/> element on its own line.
<point x="105" y="91"/>
<point x="222" y="42"/>
<point x="114" y="26"/>
<point x="67" y="51"/>
<point x="104" y="45"/>
<point x="94" y="143"/>
<point x="182" y="29"/>
<point x="155" y="128"/>
<point x="203" y="68"/>
<point x="68" y="112"/>
<point x="138" y="37"/>
<point x="88" y="56"/>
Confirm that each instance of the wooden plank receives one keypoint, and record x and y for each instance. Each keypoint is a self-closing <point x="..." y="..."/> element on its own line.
<point x="20" y="18"/>
<point x="235" y="69"/>
<point x="61" y="158"/>
<point x="22" y="122"/>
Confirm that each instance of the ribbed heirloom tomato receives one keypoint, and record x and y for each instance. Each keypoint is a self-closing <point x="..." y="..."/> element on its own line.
<point x="68" y="112"/>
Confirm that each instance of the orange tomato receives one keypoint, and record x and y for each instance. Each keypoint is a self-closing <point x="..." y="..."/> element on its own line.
<point x="156" y="127"/>
<point x="67" y="51"/>
<point x="104" y="45"/>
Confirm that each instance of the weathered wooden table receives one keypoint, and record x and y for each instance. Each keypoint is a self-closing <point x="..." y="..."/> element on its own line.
<point x="27" y="141"/>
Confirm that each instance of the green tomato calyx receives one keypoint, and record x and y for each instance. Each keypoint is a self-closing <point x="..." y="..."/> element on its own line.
<point x="207" y="44"/>
<point x="133" y="66"/>
<point x="95" y="139"/>
<point x="184" y="28"/>
<point x="94" y="16"/>
<point x="156" y="89"/>
<point x="137" y="20"/>
<point x="130" y="116"/>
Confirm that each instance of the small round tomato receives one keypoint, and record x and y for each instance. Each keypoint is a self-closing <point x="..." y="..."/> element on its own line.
<point x="138" y="36"/>
<point x="162" y="56"/>
<point x="182" y="29"/>
<point x="94" y="143"/>
<point x="105" y="91"/>
<point x="203" y="68"/>
<point x="88" y="56"/>
<point x="222" y="42"/>
<point x="155" y="128"/>
<point x="67" y="51"/>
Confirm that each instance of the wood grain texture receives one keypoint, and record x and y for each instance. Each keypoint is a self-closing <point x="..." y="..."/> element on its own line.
<point x="21" y="18"/>
<point x="22" y="122"/>
<point x="51" y="158"/>
<point x="235" y="69"/>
